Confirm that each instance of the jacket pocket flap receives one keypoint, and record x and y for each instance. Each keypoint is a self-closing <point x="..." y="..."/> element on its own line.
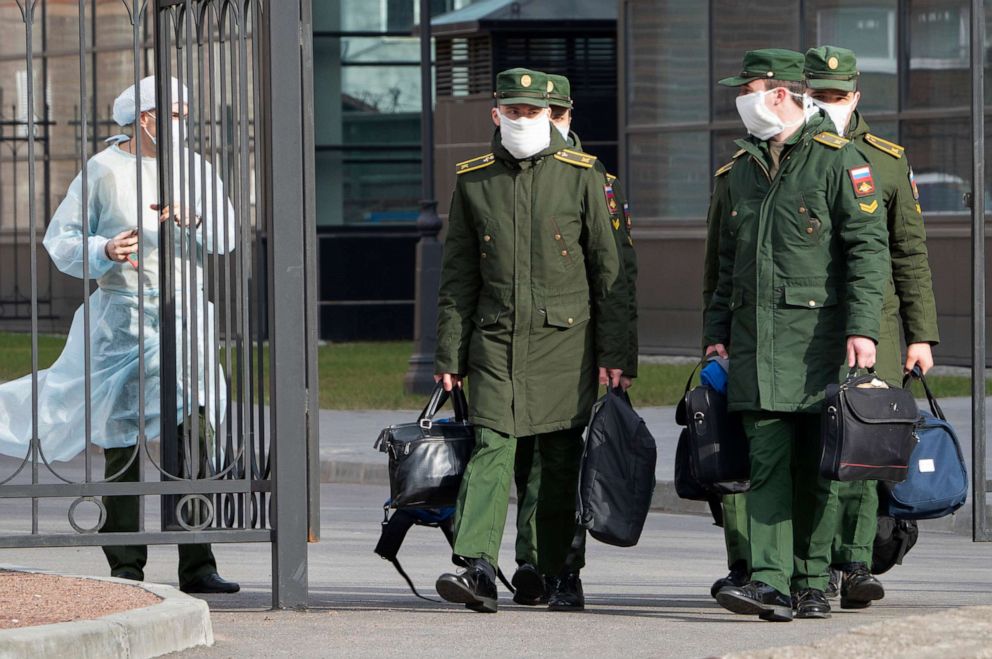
<point x="736" y="298"/>
<point x="810" y="297"/>
<point x="567" y="314"/>
<point x="487" y="313"/>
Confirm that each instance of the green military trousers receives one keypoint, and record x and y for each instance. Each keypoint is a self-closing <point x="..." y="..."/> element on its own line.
<point x="527" y="475"/>
<point x="735" y="530"/>
<point x="857" y="522"/>
<point x="483" y="500"/>
<point x="792" y="510"/>
<point x="195" y="560"/>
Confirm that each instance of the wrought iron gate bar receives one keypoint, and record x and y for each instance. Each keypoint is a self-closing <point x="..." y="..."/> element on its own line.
<point x="232" y="362"/>
<point x="148" y="538"/>
<point x="175" y="487"/>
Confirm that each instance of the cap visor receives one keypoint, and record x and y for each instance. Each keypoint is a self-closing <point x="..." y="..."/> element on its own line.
<point x="826" y="83"/>
<point x="735" y="81"/>
<point x="560" y="104"/>
<point x="523" y="100"/>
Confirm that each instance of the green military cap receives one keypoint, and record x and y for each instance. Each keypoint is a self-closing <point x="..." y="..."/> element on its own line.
<point x="560" y="91"/>
<point x="830" y="67"/>
<point x="522" y="86"/>
<point x="768" y="64"/>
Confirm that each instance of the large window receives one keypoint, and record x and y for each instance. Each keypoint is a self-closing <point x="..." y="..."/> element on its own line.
<point x="914" y="57"/>
<point x="367" y="105"/>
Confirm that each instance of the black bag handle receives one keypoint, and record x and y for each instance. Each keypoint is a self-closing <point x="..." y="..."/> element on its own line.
<point x="437" y="400"/>
<point x="934" y="405"/>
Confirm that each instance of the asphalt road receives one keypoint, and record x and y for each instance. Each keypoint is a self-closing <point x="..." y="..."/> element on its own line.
<point x="650" y="600"/>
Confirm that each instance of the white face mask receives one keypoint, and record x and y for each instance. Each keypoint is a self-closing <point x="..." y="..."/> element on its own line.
<point x="523" y="137"/>
<point x="758" y="118"/>
<point x="563" y="129"/>
<point x="839" y="113"/>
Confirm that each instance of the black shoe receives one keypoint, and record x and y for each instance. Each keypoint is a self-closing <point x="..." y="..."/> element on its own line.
<point x="833" y="587"/>
<point x="211" y="583"/>
<point x="126" y="573"/>
<point x="566" y="593"/>
<point x="859" y="587"/>
<point x="737" y="577"/>
<point x="530" y="586"/>
<point x="472" y="587"/>
<point x="756" y="599"/>
<point x="811" y="603"/>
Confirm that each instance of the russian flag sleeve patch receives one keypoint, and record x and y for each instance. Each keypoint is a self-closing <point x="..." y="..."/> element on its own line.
<point x="862" y="180"/>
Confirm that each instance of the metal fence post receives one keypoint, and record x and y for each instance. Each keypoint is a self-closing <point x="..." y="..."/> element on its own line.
<point x="283" y="102"/>
<point x="980" y="530"/>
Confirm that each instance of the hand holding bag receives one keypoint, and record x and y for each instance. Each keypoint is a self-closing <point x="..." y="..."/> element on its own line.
<point x="427" y="458"/>
<point x="867" y="430"/>
<point x="716" y="446"/>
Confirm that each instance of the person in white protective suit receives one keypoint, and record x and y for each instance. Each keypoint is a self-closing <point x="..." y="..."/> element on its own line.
<point x="111" y="249"/>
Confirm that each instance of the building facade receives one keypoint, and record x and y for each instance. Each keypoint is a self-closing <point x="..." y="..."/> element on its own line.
<point x="678" y="127"/>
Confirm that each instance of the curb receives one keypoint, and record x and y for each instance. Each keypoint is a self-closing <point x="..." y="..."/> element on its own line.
<point x="664" y="500"/>
<point x="178" y="622"/>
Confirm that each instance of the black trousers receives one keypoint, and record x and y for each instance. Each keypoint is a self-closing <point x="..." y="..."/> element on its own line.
<point x="195" y="560"/>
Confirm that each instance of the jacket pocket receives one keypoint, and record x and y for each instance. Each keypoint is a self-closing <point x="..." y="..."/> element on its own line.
<point x="567" y="313"/>
<point x="487" y="313"/>
<point x="736" y="299"/>
<point x="810" y="297"/>
<point x="563" y="244"/>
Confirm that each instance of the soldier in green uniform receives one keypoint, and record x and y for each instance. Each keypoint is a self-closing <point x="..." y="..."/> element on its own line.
<point x="531" y="310"/>
<point x="530" y="584"/>
<point x="832" y="82"/>
<point x="803" y="261"/>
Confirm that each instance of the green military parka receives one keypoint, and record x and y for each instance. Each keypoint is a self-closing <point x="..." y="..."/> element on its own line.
<point x="803" y="262"/>
<point x="532" y="297"/>
<point x="909" y="293"/>
<point x="621" y="222"/>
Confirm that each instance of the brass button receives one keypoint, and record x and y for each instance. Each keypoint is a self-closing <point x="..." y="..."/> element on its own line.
<point x="557" y="236"/>
<point x="570" y="321"/>
<point x="733" y="213"/>
<point x="487" y="237"/>
<point x="802" y="209"/>
<point x="812" y="303"/>
<point x="564" y="252"/>
<point x="809" y="229"/>
<point x="484" y="255"/>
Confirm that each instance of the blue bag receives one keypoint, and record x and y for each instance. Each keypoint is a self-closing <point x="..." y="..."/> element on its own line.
<point x="937" y="484"/>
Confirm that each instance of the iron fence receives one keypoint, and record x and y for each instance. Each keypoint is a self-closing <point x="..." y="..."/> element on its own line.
<point x="212" y="397"/>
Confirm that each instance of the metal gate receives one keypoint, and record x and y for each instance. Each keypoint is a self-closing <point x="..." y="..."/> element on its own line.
<point x="212" y="399"/>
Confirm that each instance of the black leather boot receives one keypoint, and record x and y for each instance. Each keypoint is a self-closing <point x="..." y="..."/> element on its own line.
<point x="756" y="598"/>
<point x="474" y="586"/>
<point x="833" y="587"/>
<point x="530" y="586"/>
<point x="859" y="587"/>
<point x="812" y="603"/>
<point x="737" y="577"/>
<point x="566" y="593"/>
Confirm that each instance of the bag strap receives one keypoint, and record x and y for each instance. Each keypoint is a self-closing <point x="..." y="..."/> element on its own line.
<point x="934" y="405"/>
<point x="394" y="530"/>
<point x="688" y="383"/>
<point x="716" y="509"/>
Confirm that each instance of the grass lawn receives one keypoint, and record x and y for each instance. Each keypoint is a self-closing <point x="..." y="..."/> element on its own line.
<point x="365" y="375"/>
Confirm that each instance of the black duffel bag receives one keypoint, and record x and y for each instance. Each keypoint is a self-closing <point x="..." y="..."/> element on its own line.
<point x="427" y="458"/>
<point x="616" y="480"/>
<point x="867" y="431"/>
<point x="716" y="446"/>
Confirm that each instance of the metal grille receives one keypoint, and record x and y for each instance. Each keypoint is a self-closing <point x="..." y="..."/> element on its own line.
<point x="215" y="366"/>
<point x="463" y="66"/>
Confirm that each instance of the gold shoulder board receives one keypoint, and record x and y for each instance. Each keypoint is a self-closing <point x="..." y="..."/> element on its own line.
<point x="576" y="158"/>
<point x="831" y="140"/>
<point x="885" y="146"/>
<point x="610" y="178"/>
<point x="475" y="163"/>
<point x="740" y="152"/>
<point x="723" y="170"/>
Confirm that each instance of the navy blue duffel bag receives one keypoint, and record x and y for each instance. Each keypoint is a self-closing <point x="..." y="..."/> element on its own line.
<point x="937" y="484"/>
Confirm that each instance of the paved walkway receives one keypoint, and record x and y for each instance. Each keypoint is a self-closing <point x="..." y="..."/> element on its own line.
<point x="650" y="600"/>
